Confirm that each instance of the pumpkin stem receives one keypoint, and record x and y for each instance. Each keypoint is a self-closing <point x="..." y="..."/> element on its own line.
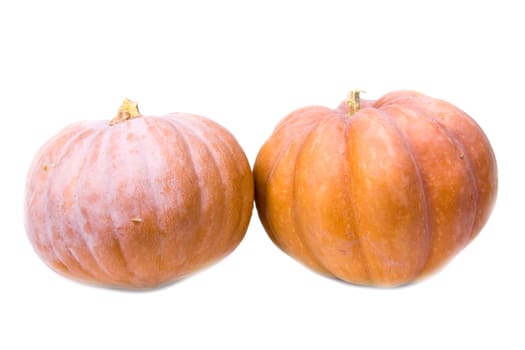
<point x="128" y="110"/>
<point x="354" y="102"/>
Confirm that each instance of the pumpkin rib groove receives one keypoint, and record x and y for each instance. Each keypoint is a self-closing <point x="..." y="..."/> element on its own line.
<point x="242" y="203"/>
<point x="471" y="175"/>
<point x="348" y="191"/>
<point x="184" y="137"/>
<point x="175" y="125"/>
<point x="408" y="103"/>
<point x="225" y="184"/>
<point x="465" y="157"/>
<point x="152" y="193"/>
<point x="49" y="231"/>
<point x="166" y="156"/>
<point x="421" y="183"/>
<point x="58" y="160"/>
<point x="60" y="266"/>
<point x="457" y="143"/>
<point x="78" y="210"/>
<point x="204" y="238"/>
<point x="217" y="170"/>
<point x="486" y="197"/>
<point x="120" y="254"/>
<point x="68" y="251"/>
<point x="106" y="147"/>
<point x="276" y="160"/>
<point x="165" y="231"/>
<point x="90" y="274"/>
<point x="283" y="148"/>
<point x="203" y="135"/>
<point x="226" y="140"/>
<point x="296" y="218"/>
<point x="454" y="142"/>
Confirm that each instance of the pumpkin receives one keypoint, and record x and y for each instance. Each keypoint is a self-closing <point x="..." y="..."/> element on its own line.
<point x="138" y="202"/>
<point x="377" y="193"/>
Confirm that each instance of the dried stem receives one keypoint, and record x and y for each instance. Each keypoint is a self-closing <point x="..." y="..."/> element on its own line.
<point x="354" y="102"/>
<point x="128" y="110"/>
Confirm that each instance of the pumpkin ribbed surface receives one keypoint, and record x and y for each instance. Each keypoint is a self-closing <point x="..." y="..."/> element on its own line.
<point x="139" y="203"/>
<point x="380" y="197"/>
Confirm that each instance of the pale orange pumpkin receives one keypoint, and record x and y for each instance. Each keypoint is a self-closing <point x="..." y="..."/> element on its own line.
<point x="138" y="202"/>
<point x="376" y="192"/>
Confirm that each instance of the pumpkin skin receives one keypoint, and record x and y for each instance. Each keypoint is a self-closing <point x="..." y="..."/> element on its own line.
<point x="382" y="197"/>
<point x="139" y="203"/>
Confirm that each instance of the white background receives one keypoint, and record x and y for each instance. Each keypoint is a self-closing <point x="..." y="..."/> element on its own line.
<point x="246" y="65"/>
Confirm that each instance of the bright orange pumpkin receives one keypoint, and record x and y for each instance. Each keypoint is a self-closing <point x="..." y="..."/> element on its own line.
<point x="376" y="192"/>
<point x="138" y="202"/>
